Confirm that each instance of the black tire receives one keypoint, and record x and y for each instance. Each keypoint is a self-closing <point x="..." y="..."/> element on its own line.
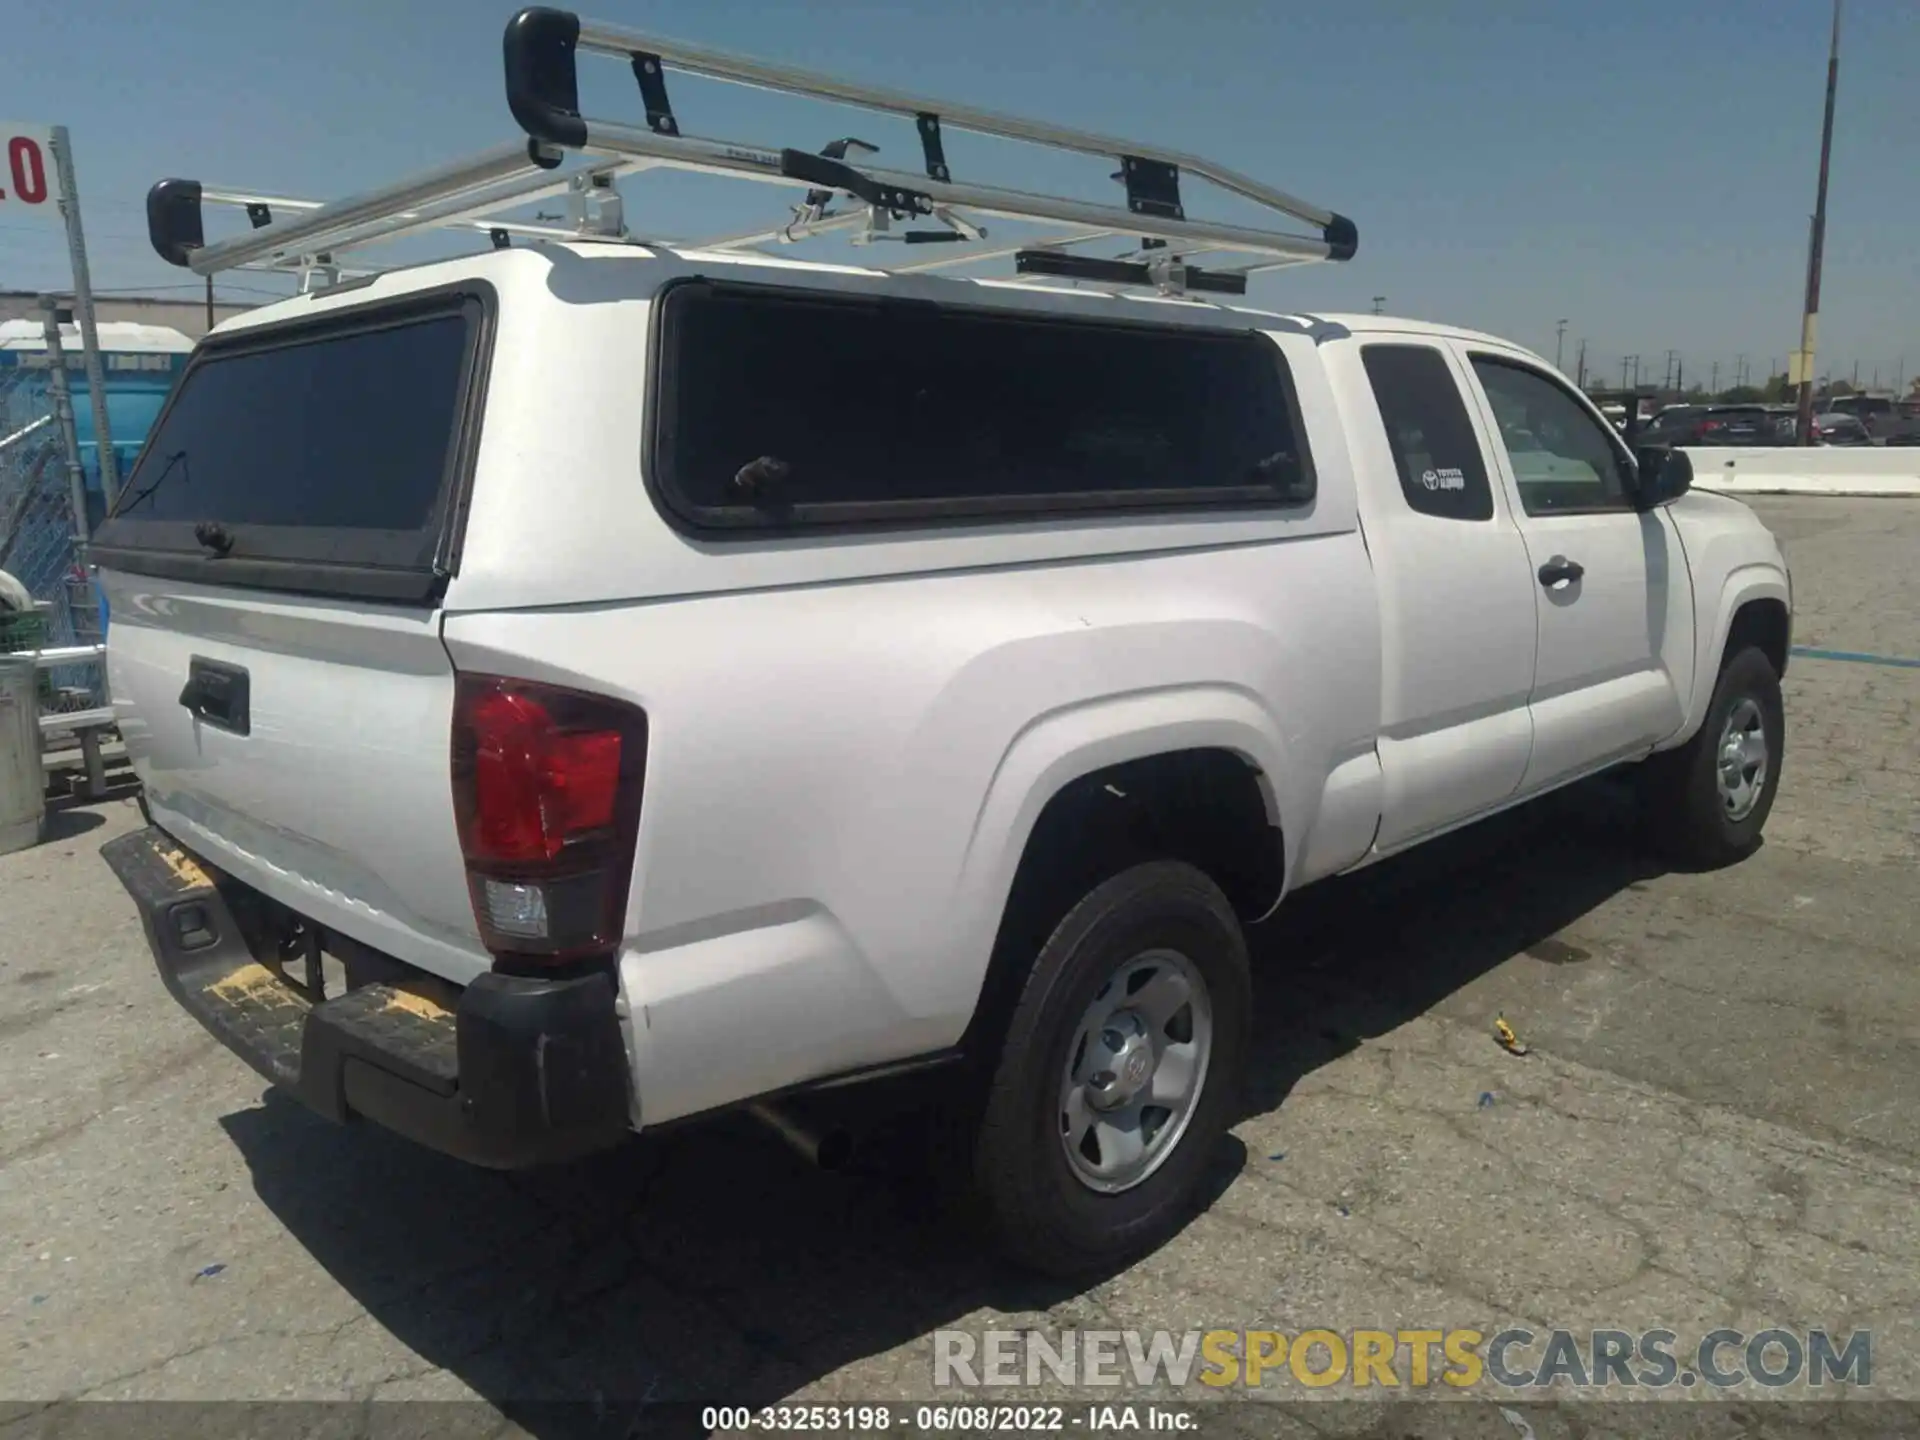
<point x="1042" y="1213"/>
<point x="1683" y="815"/>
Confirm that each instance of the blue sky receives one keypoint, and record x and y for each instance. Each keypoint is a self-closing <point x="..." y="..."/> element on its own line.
<point x="1643" y="169"/>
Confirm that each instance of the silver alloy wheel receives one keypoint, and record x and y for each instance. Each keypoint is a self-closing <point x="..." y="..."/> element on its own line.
<point x="1135" y="1071"/>
<point x="1741" y="770"/>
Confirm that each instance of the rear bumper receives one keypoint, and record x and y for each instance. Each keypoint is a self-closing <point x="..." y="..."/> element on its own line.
<point x="508" y="1073"/>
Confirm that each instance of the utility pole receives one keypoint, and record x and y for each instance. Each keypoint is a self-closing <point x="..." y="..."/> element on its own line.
<point x="1669" y="382"/>
<point x="1559" y="334"/>
<point x="1636" y="372"/>
<point x="1625" y="361"/>
<point x="1810" y="315"/>
<point x="1581" y="378"/>
<point x="1713" y="385"/>
<point x="1739" y="369"/>
<point x="1379" y="301"/>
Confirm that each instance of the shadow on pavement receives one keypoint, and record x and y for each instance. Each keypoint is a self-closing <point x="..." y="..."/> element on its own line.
<point x="68" y="821"/>
<point x="1359" y="955"/>
<point x="712" y="1264"/>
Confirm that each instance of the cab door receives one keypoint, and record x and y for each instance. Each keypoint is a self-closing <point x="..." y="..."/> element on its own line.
<point x="1456" y="589"/>
<point x="1613" y="597"/>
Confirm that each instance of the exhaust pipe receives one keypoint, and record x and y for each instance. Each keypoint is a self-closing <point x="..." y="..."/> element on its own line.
<point x="830" y="1148"/>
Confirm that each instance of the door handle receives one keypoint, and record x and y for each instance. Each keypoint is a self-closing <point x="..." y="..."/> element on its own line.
<point x="1560" y="569"/>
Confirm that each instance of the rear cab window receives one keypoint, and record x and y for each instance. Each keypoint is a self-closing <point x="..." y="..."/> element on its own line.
<point x="780" y="408"/>
<point x="1442" y="471"/>
<point x="324" y="456"/>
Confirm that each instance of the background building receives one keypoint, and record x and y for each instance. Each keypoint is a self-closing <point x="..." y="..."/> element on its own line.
<point x="186" y="314"/>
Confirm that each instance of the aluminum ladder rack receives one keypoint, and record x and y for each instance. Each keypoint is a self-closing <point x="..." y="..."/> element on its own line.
<point x="866" y="204"/>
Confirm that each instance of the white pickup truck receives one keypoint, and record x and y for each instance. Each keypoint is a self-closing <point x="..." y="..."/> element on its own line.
<point x="587" y="685"/>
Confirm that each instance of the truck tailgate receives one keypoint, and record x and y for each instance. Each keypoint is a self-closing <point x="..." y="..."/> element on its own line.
<point x="321" y="776"/>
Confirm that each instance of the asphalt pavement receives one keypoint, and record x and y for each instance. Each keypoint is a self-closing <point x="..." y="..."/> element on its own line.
<point x="1717" y="1125"/>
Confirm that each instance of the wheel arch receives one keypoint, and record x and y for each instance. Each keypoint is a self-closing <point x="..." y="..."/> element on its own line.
<point x="1754" y="607"/>
<point x="1211" y="790"/>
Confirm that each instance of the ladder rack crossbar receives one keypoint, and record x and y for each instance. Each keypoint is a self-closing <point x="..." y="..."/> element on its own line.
<point x="243" y="200"/>
<point x="721" y="157"/>
<point x="617" y="41"/>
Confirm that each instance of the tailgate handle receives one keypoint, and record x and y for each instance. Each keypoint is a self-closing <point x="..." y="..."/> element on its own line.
<point x="216" y="693"/>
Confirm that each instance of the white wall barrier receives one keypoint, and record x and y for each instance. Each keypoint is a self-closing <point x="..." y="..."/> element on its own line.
<point x="1815" y="470"/>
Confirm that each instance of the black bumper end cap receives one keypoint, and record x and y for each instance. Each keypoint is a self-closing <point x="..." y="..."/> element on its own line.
<point x="174" y="227"/>
<point x="1342" y="237"/>
<point x="543" y="89"/>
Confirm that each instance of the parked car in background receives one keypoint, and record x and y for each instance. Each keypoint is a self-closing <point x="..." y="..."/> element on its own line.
<point x="1834" y="428"/>
<point x="1739" y="425"/>
<point x="1711" y="425"/>
<point x="1871" y="411"/>
<point x="1903" y="428"/>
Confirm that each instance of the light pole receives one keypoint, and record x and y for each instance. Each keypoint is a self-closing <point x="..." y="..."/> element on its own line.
<point x="1559" y="334"/>
<point x="1378" y="302"/>
<point x="1810" y="315"/>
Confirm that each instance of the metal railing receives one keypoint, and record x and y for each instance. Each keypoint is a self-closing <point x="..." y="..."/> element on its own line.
<point x="42" y="546"/>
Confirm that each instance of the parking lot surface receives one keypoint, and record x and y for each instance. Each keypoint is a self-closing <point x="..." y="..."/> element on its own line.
<point x="1718" y="1124"/>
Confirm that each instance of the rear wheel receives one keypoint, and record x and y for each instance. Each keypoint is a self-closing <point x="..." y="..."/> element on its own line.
<point x="1119" y="1072"/>
<point x="1704" y="804"/>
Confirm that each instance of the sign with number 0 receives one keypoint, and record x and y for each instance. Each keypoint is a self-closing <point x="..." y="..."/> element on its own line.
<point x="29" y="182"/>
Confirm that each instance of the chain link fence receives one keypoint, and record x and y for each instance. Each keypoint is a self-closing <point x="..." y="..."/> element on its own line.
<point x="39" y="544"/>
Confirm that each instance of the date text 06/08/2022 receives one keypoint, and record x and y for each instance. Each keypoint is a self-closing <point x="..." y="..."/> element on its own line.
<point x="939" y="1419"/>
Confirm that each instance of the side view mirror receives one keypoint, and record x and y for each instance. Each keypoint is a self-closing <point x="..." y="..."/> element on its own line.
<point x="1666" y="473"/>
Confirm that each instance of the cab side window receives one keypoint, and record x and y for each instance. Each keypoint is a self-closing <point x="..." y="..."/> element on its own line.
<point x="1563" y="458"/>
<point x="1442" y="471"/>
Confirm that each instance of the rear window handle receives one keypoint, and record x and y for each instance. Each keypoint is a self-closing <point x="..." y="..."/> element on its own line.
<point x="217" y="694"/>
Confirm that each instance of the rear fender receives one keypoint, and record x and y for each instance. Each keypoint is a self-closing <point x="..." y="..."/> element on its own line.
<point x="1061" y="747"/>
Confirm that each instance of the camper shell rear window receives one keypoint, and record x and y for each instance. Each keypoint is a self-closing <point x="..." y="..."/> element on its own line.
<point x="777" y="408"/>
<point x="325" y="456"/>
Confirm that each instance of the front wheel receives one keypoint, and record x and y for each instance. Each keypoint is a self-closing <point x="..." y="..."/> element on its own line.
<point x="1119" y="1072"/>
<point x="1704" y="804"/>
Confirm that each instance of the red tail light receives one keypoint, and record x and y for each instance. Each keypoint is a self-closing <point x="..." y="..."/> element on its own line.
<point x="546" y="791"/>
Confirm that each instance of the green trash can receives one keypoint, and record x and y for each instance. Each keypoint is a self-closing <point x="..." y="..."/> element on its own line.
<point x="27" y="630"/>
<point x="22" y="630"/>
